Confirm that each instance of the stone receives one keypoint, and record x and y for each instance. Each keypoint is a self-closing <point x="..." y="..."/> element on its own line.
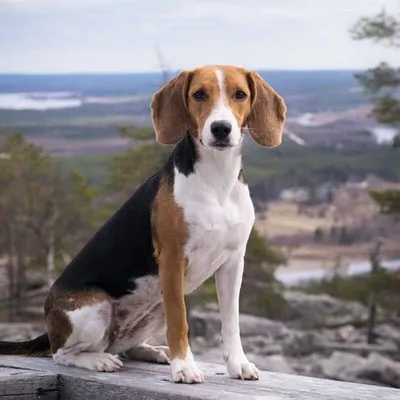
<point x="20" y="331"/>
<point x="342" y="366"/>
<point x="308" y="365"/>
<point x="348" y="333"/>
<point x="207" y="323"/>
<point x="380" y="369"/>
<point x="272" y="363"/>
<point x="298" y="343"/>
<point x="264" y="345"/>
<point x="308" y="311"/>
<point x="388" y="332"/>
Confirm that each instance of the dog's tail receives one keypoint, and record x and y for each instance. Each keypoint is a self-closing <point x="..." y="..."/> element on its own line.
<point x="38" y="347"/>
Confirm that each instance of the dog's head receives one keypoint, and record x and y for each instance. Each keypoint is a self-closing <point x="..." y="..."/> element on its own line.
<point x="215" y="103"/>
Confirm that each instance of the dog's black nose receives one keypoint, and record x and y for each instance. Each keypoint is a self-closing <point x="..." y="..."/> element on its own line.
<point x="221" y="129"/>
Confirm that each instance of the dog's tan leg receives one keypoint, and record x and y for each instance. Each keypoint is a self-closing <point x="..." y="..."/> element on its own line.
<point x="183" y="366"/>
<point x="79" y="329"/>
<point x="170" y="235"/>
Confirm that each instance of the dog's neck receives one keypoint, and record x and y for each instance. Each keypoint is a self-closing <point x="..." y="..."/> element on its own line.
<point x="214" y="170"/>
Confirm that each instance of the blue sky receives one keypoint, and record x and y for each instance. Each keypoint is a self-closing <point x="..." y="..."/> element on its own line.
<point x="39" y="36"/>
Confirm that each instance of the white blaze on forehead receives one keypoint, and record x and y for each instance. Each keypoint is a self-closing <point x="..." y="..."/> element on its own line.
<point x="221" y="111"/>
<point x="221" y="84"/>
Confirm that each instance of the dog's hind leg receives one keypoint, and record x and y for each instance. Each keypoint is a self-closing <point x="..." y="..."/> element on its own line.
<point x="133" y="337"/>
<point x="79" y="329"/>
<point x="146" y="352"/>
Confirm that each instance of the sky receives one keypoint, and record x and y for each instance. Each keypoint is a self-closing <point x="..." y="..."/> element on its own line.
<point x="58" y="36"/>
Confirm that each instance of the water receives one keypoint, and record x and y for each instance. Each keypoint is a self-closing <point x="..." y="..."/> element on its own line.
<point x="38" y="101"/>
<point x="384" y="134"/>
<point x="290" y="278"/>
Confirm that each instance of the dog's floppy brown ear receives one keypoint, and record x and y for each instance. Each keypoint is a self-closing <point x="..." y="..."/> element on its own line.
<point x="169" y="110"/>
<point x="267" y="117"/>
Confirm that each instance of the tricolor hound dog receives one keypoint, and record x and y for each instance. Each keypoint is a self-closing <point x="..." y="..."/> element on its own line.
<point x="188" y="221"/>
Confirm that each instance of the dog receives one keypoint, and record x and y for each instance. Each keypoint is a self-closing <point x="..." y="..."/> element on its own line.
<point x="190" y="220"/>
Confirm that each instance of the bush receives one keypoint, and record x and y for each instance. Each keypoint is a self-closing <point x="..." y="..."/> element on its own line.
<point x="358" y="288"/>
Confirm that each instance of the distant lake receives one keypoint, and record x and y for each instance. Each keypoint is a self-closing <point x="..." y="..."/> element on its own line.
<point x="354" y="268"/>
<point x="384" y="134"/>
<point x="38" y="101"/>
<point x="42" y="101"/>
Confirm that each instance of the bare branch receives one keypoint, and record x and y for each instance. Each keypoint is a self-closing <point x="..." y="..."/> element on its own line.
<point x="162" y="64"/>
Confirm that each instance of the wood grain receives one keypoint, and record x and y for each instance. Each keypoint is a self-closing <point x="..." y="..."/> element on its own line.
<point x="149" y="381"/>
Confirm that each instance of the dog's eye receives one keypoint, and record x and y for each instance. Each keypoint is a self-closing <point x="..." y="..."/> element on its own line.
<point x="240" y="95"/>
<point x="200" y="95"/>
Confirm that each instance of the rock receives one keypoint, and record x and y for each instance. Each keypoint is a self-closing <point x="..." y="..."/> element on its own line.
<point x="299" y="343"/>
<point x="315" y="311"/>
<point x="208" y="324"/>
<point x="251" y="326"/>
<point x="264" y="345"/>
<point x="380" y="369"/>
<point x="273" y="363"/>
<point x="342" y="366"/>
<point x="349" y="333"/>
<point x="388" y="332"/>
<point x="309" y="365"/>
<point x="356" y="348"/>
<point x="20" y="331"/>
<point x="376" y="369"/>
<point x="214" y="355"/>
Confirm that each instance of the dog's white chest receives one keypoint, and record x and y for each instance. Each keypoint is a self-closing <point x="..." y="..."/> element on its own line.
<point x="216" y="229"/>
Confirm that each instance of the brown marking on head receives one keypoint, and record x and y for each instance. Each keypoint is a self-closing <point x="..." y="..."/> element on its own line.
<point x="170" y="234"/>
<point x="169" y="110"/>
<point x="57" y="303"/>
<point x="195" y="98"/>
<point x="268" y="112"/>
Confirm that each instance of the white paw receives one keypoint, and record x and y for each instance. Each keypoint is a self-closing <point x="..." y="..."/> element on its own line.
<point x="106" y="362"/>
<point x="185" y="371"/>
<point x="242" y="369"/>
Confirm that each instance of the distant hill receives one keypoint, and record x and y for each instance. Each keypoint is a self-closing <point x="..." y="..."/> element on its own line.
<point x="66" y="112"/>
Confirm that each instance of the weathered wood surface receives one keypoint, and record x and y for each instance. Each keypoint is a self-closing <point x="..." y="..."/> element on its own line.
<point x="148" y="381"/>
<point x="23" y="384"/>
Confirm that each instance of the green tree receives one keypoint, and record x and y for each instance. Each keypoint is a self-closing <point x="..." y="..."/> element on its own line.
<point x="133" y="166"/>
<point x="383" y="83"/>
<point x="383" y="80"/>
<point x="44" y="213"/>
<point x="261" y="292"/>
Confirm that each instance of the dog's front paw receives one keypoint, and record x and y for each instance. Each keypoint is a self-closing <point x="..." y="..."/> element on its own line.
<point x="185" y="371"/>
<point x="241" y="368"/>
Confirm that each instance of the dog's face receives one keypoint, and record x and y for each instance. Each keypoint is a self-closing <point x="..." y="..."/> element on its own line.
<point x="215" y="103"/>
<point x="219" y="102"/>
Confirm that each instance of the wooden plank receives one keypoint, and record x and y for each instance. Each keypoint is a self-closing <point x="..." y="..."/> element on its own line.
<point x="23" y="384"/>
<point x="150" y="381"/>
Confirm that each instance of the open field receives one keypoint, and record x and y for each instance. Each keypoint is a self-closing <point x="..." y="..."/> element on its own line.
<point x="294" y="233"/>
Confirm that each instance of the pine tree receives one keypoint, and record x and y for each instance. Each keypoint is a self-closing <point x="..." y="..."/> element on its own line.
<point x="383" y="83"/>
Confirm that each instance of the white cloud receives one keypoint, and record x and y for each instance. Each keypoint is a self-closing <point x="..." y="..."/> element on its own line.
<point x="121" y="34"/>
<point x="47" y="5"/>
